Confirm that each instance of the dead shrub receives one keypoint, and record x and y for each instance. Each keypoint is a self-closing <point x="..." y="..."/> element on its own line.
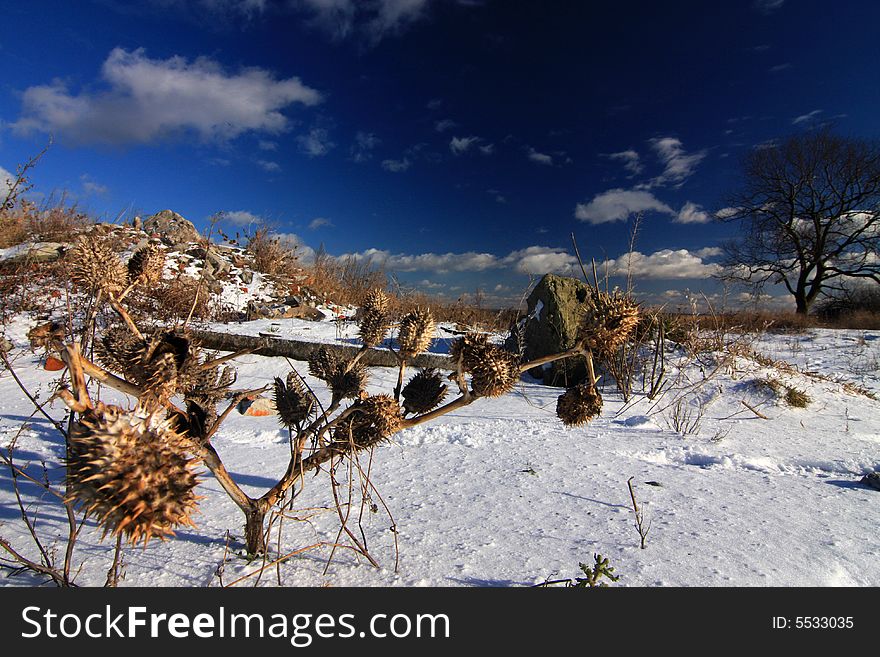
<point x="272" y="254"/>
<point x="347" y="280"/>
<point x="171" y="300"/>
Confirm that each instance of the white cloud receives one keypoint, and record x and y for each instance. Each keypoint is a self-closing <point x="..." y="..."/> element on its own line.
<point x="531" y="260"/>
<point x="540" y="158"/>
<point x="806" y="118"/>
<point x="305" y="253"/>
<point x="335" y="17"/>
<point x="90" y="187"/>
<point x="320" y="222"/>
<point x="692" y="213"/>
<point x="364" y="143"/>
<point x="436" y="262"/>
<point x="767" y="6"/>
<point x="268" y="165"/>
<point x="396" y="166"/>
<point x="373" y="20"/>
<point x="487" y="149"/>
<point x="242" y="218"/>
<point x="150" y="99"/>
<point x="6" y="182"/>
<point x="780" y="67"/>
<point x="315" y="143"/>
<point x="679" y="165"/>
<point x="459" y="145"/>
<point x="541" y="260"/>
<point x="266" y="145"/>
<point x="392" y="16"/>
<point x="619" y="205"/>
<point x="230" y="8"/>
<point x="726" y="213"/>
<point x="499" y="197"/>
<point x="444" y="124"/>
<point x="666" y="264"/>
<point x="630" y="159"/>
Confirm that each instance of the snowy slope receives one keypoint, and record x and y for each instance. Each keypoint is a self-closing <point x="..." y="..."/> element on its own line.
<point x="502" y="494"/>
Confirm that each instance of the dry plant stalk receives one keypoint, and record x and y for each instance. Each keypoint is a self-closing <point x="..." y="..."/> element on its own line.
<point x="157" y="369"/>
<point x="639" y="516"/>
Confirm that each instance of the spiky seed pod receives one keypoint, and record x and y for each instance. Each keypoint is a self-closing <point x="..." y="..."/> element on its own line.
<point x="164" y="364"/>
<point x="95" y="266"/>
<point x="146" y="265"/>
<point x="207" y="388"/>
<point x="496" y="373"/>
<point x="608" y="321"/>
<point x="294" y="403"/>
<point x="347" y="381"/>
<point x="424" y="392"/>
<point x="373" y="419"/>
<point x="117" y="347"/>
<point x="579" y="405"/>
<point x="374" y="320"/>
<point x="468" y="350"/>
<point x="211" y="383"/>
<point x="130" y="470"/>
<point x="416" y="332"/>
<point x="322" y="363"/>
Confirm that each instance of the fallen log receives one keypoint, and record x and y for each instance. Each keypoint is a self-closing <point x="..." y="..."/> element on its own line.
<point x="302" y="350"/>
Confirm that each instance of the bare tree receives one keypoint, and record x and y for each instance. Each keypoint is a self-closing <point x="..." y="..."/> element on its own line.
<point x="809" y="208"/>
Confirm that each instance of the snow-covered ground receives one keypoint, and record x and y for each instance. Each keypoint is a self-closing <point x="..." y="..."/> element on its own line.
<point x="502" y="494"/>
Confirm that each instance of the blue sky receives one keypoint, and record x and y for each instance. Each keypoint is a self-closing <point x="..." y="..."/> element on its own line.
<point x="461" y="142"/>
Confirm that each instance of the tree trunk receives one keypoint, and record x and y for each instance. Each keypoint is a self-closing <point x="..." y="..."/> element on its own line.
<point x="254" y="534"/>
<point x="302" y="350"/>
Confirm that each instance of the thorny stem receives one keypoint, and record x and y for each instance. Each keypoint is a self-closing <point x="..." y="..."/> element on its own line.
<point x="125" y="317"/>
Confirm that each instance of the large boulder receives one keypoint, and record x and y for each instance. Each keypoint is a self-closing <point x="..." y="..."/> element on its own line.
<point x="171" y="228"/>
<point x="39" y="252"/>
<point x="555" y="307"/>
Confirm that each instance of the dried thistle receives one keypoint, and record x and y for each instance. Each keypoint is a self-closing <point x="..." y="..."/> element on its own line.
<point x="322" y="363"/>
<point x="468" y="350"/>
<point x="608" y="321"/>
<point x="164" y="364"/>
<point x="416" y="332"/>
<point x="579" y="405"/>
<point x="424" y="392"/>
<point x="347" y="380"/>
<point x="374" y="320"/>
<point x="372" y="420"/>
<point x="95" y="266"/>
<point x="206" y="388"/>
<point x="495" y="373"/>
<point x="131" y="471"/>
<point x="117" y="347"/>
<point x="147" y="265"/>
<point x="294" y="403"/>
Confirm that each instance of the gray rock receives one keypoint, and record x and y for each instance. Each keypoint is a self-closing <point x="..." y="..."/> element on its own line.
<point x="554" y="312"/>
<point x="246" y="276"/>
<point x="872" y="479"/>
<point x="218" y="263"/>
<point x="171" y="228"/>
<point x="39" y="252"/>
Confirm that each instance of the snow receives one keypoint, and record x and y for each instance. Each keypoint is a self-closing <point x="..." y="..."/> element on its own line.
<point x="500" y="493"/>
